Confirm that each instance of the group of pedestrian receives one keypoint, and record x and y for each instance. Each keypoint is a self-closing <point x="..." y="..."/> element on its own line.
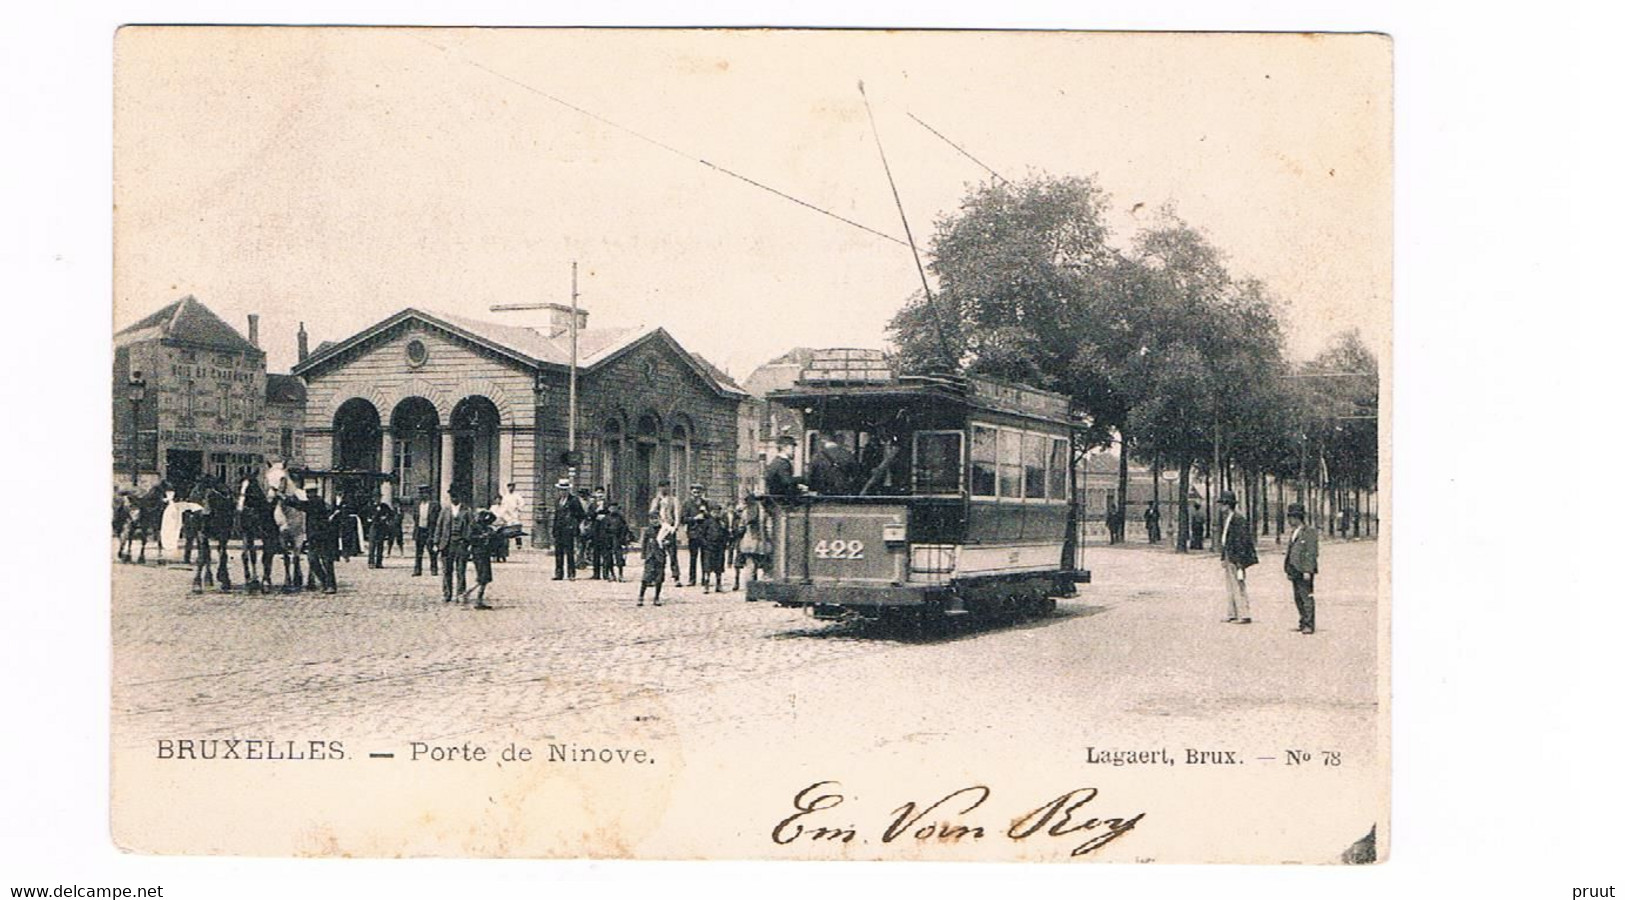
<point x="457" y="535"/>
<point x="1237" y="554"/>
<point x="719" y="537"/>
<point x="589" y="532"/>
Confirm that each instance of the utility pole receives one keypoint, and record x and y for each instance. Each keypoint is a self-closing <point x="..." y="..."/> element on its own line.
<point x="575" y="320"/>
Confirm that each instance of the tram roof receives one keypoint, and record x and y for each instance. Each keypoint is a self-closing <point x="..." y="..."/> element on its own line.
<point x="975" y="392"/>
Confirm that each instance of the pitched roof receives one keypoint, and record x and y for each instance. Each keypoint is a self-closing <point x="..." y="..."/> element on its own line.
<point x="284" y="388"/>
<point x="591" y="343"/>
<point x="189" y="322"/>
<point x="594" y="346"/>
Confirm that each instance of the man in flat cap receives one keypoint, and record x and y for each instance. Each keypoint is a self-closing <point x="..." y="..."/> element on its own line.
<point x="1302" y="562"/>
<point x="1236" y="554"/>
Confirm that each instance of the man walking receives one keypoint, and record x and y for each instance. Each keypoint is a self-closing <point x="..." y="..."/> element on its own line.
<point x="1236" y="553"/>
<point x="452" y="531"/>
<point x="1302" y="562"/>
<point x="425" y="515"/>
<point x="567" y="515"/>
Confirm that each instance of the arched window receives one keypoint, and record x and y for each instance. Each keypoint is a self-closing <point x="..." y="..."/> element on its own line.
<point x="357" y="436"/>
<point x="681" y="468"/>
<point x="475" y="467"/>
<point x="415" y="423"/>
<point x="609" y="460"/>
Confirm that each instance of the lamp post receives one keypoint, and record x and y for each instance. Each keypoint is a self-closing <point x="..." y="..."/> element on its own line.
<point x="138" y="393"/>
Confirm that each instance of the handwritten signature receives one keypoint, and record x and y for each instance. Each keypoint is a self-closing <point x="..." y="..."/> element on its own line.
<point x="948" y="820"/>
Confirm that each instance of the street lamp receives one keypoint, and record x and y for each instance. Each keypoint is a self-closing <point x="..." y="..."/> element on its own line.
<point x="138" y="393"/>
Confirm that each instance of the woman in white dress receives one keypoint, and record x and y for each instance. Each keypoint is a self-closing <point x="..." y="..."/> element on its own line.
<point x="169" y="530"/>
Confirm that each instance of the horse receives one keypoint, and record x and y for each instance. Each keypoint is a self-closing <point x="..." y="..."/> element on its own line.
<point x="215" y="521"/>
<point x="140" y="518"/>
<point x="290" y="522"/>
<point x="254" y="524"/>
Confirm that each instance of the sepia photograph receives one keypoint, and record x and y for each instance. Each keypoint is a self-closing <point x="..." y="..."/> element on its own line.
<point x="751" y="444"/>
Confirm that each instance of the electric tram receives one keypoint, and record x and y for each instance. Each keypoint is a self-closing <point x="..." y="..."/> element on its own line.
<point x="959" y="499"/>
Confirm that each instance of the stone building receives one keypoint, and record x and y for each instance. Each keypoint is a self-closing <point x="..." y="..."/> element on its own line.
<point x="191" y="396"/>
<point x="454" y="402"/>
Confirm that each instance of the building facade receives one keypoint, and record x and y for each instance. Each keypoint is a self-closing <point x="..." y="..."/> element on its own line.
<point x="430" y="398"/>
<point x="190" y="397"/>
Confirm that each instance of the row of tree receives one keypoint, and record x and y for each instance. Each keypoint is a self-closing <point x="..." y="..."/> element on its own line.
<point x="1163" y="349"/>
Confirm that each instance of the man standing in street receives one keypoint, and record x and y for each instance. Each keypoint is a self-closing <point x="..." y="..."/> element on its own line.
<point x="425" y="515"/>
<point x="567" y="515"/>
<point x="513" y="513"/>
<point x="663" y="513"/>
<point x="452" y="531"/>
<point x="1236" y="553"/>
<point x="1153" y="522"/>
<point x="691" y="520"/>
<point x="1198" y="526"/>
<point x="1302" y="562"/>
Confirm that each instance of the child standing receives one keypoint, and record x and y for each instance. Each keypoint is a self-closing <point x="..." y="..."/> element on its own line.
<point x="712" y="533"/>
<point x="479" y="550"/>
<point x="613" y="536"/>
<point x="654" y="561"/>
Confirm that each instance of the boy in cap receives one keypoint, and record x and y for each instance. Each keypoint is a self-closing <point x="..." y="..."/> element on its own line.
<point x="654" y="560"/>
<point x="1302" y="562"/>
<point x="481" y="543"/>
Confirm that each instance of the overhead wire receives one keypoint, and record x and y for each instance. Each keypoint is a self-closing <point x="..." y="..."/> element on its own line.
<point x="665" y="146"/>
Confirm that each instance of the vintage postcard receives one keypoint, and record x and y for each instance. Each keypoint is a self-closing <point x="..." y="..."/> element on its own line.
<point x="751" y="444"/>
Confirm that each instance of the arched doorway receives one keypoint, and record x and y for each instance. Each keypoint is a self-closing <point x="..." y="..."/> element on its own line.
<point x="646" y="451"/>
<point x="357" y="436"/>
<point x="415" y="423"/>
<point x="475" y="469"/>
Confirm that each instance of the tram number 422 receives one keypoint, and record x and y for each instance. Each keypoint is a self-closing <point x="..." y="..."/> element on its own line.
<point x="838" y="550"/>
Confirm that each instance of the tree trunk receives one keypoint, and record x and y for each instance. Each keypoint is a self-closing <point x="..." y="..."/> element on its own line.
<point x="1280" y="508"/>
<point x="1122" y="478"/>
<point x="1184" y="544"/>
<point x="1264" y="500"/>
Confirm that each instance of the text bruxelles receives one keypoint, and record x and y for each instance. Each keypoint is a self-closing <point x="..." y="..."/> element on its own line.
<point x="248" y="748"/>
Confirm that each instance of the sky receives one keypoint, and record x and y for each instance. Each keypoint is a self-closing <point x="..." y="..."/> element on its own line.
<point x="335" y="176"/>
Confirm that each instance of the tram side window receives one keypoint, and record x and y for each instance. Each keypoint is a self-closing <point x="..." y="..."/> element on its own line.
<point x="984" y="461"/>
<point x="1009" y="464"/>
<point x="938" y="463"/>
<point x="1060" y="456"/>
<point x="1034" y="450"/>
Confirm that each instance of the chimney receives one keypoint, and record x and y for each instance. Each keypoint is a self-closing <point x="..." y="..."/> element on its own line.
<point x="254" y="329"/>
<point x="304" y="343"/>
<point x="550" y="320"/>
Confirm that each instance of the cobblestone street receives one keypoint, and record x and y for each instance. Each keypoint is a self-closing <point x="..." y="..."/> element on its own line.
<point x="730" y="692"/>
<point x="386" y="657"/>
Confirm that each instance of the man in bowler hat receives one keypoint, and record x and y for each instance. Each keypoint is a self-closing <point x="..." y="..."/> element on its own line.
<point x="1236" y="554"/>
<point x="1302" y="562"/>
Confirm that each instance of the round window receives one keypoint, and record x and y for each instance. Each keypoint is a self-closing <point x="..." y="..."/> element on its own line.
<point x="416" y="354"/>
